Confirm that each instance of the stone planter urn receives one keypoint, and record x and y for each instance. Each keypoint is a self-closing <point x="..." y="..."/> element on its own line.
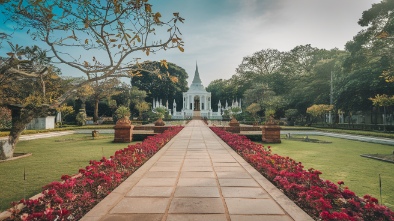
<point x="234" y="126"/>
<point x="271" y="132"/>
<point x="159" y="122"/>
<point x="123" y="131"/>
<point x="159" y="126"/>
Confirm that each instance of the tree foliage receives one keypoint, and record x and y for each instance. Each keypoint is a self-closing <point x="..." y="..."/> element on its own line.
<point x="27" y="78"/>
<point x="382" y="100"/>
<point x="370" y="63"/>
<point x="28" y="86"/>
<point x="319" y="109"/>
<point x="122" y="112"/>
<point x="223" y="91"/>
<point x="103" y="89"/>
<point x="167" y="82"/>
<point x="253" y="108"/>
<point x="5" y="117"/>
<point x="141" y="107"/>
<point x="96" y="38"/>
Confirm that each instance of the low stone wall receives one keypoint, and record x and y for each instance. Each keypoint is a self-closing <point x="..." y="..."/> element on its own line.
<point x="242" y="128"/>
<point x="141" y="127"/>
<point x="250" y="128"/>
<point x="156" y="129"/>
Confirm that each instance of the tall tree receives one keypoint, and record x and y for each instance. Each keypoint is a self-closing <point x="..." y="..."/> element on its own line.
<point x="300" y="60"/>
<point x="96" y="38"/>
<point x="263" y="96"/>
<point x="311" y="80"/>
<point x="103" y="89"/>
<point x="83" y="93"/>
<point x="138" y="100"/>
<point x="378" y="35"/>
<point x="28" y="85"/>
<point x="221" y="90"/>
<point x="262" y="66"/>
<point x="105" y="33"/>
<point x="167" y="83"/>
<point x="262" y="63"/>
<point x="371" y="57"/>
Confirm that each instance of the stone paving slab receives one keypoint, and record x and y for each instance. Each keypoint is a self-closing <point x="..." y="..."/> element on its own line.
<point x="196" y="176"/>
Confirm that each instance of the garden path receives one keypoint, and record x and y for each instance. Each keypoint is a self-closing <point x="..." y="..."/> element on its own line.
<point x="41" y="135"/>
<point x="196" y="176"/>
<point x="380" y="140"/>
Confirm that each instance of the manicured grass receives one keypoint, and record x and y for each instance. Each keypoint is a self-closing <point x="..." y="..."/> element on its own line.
<point x="52" y="158"/>
<point x="341" y="160"/>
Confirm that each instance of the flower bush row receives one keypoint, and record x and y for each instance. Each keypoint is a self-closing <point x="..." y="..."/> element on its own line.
<point x="321" y="199"/>
<point x="72" y="198"/>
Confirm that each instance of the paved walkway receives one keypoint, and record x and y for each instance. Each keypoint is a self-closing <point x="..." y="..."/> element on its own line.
<point x="196" y="176"/>
<point x="379" y="140"/>
<point x="41" y="135"/>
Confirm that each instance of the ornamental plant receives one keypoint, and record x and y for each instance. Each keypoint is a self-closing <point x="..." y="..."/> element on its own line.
<point x="160" y="112"/>
<point x="81" y="117"/>
<point x="122" y="112"/>
<point x="321" y="199"/>
<point x="72" y="198"/>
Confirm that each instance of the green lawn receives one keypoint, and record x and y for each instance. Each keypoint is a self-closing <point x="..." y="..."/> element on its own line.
<point x="341" y="160"/>
<point x="52" y="157"/>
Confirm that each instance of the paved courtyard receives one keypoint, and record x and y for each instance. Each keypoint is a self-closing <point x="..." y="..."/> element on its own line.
<point x="196" y="176"/>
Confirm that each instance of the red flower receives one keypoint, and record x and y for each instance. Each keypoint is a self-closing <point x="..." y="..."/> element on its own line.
<point x="24" y="216"/>
<point x="323" y="200"/>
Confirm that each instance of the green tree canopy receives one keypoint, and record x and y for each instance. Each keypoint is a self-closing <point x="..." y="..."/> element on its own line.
<point x="28" y="86"/>
<point x="95" y="38"/>
<point x="167" y="83"/>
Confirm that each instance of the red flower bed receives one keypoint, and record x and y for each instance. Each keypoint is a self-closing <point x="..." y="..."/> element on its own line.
<point x="74" y="197"/>
<point x="321" y="199"/>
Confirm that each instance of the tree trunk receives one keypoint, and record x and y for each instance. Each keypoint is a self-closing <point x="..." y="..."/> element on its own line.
<point x="83" y="105"/>
<point x="19" y="121"/>
<point x="95" y="115"/>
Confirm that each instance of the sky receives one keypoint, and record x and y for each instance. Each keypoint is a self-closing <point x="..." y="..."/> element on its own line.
<point x="219" y="33"/>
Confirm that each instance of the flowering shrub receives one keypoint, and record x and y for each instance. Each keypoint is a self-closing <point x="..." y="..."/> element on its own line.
<point x="321" y="199"/>
<point x="75" y="196"/>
